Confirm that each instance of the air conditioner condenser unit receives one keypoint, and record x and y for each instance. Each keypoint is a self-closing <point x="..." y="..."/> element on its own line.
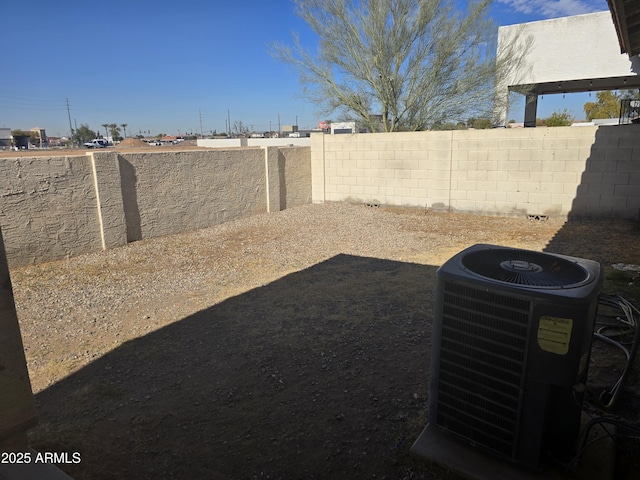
<point x="511" y="345"/>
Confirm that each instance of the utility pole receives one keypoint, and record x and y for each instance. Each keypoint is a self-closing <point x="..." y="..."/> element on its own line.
<point x="200" y="122"/>
<point x="229" y="118"/>
<point x="69" y="115"/>
<point x="279" y="127"/>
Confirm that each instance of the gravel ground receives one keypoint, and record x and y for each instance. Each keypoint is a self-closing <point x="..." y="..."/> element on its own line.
<point x="75" y="310"/>
<point x="336" y="295"/>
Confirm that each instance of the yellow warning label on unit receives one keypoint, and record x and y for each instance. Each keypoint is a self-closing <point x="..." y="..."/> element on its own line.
<point x="554" y="334"/>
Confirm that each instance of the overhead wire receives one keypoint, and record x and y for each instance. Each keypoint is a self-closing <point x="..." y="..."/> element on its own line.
<point x="31" y="103"/>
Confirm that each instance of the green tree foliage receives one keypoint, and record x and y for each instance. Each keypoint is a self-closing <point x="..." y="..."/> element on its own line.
<point x="34" y="138"/>
<point x="20" y="133"/>
<point x="115" y="132"/>
<point x="607" y="105"/>
<point x="481" y="123"/>
<point x="400" y="64"/>
<point x="448" y="126"/>
<point x="559" y="119"/>
<point x="629" y="95"/>
<point x="83" y="134"/>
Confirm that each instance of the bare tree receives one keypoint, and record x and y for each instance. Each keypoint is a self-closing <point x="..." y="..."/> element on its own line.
<point x="239" y="128"/>
<point x="399" y="64"/>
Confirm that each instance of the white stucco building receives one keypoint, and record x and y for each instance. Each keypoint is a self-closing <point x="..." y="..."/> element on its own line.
<point x="580" y="53"/>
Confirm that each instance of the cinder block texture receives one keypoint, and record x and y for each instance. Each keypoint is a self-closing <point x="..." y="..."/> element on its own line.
<point x="526" y="171"/>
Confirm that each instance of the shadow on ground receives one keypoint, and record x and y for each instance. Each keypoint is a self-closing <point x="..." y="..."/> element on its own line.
<point x="610" y="242"/>
<point x="320" y="374"/>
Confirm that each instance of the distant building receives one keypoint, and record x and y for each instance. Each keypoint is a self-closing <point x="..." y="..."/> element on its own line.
<point x="343" y="127"/>
<point x="5" y="138"/>
<point x="57" y="142"/>
<point x="21" y="141"/>
<point x="42" y="136"/>
<point x="590" y="60"/>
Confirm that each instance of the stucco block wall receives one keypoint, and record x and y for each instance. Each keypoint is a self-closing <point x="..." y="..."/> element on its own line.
<point x="563" y="171"/>
<point x="318" y="184"/>
<point x="48" y="208"/>
<point x="56" y="207"/>
<point x="183" y="191"/>
<point x="294" y="175"/>
<point x="108" y="190"/>
<point x="17" y="406"/>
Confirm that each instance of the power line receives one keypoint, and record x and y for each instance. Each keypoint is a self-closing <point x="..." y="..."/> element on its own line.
<point x="35" y="101"/>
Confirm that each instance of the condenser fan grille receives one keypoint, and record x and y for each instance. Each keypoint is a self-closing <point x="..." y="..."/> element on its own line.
<point x="482" y="362"/>
<point x="525" y="267"/>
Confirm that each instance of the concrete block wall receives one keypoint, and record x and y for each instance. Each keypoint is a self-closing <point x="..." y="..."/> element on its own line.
<point x="253" y="142"/>
<point x="610" y="183"/>
<point x="184" y="191"/>
<point x="294" y="176"/>
<point x="48" y="208"/>
<point x="279" y="142"/>
<point x="17" y="405"/>
<point x="561" y="171"/>
<point x="56" y="207"/>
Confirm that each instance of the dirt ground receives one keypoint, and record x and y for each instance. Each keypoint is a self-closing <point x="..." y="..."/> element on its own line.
<point x="320" y="374"/>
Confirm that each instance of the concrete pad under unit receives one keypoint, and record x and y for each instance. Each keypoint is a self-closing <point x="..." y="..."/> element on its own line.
<point x="434" y="445"/>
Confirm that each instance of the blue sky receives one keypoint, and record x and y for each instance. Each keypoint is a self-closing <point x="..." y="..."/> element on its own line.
<point x="170" y="67"/>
